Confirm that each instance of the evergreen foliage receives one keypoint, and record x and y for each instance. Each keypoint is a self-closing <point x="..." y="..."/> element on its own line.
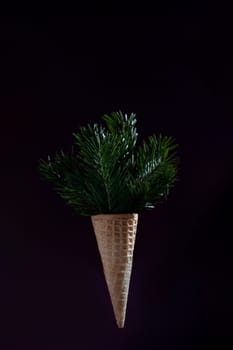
<point x="107" y="172"/>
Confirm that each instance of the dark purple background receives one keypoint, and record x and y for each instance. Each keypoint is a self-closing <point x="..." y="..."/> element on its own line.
<point x="174" y="70"/>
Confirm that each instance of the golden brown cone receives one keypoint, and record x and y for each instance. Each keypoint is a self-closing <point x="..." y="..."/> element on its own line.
<point x="115" y="235"/>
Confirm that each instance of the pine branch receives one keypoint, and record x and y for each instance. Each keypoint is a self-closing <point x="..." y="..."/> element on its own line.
<point x="109" y="173"/>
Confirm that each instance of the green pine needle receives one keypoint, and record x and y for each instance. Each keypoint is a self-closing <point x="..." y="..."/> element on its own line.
<point x="109" y="173"/>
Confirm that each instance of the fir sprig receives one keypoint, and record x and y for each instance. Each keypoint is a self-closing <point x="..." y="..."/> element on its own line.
<point x="106" y="172"/>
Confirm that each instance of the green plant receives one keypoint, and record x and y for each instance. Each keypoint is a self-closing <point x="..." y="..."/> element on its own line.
<point x="109" y="172"/>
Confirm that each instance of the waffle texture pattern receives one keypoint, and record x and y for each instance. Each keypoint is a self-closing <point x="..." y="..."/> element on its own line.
<point x="115" y="235"/>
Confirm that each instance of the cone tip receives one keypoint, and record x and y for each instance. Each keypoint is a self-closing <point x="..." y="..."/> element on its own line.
<point x="120" y="324"/>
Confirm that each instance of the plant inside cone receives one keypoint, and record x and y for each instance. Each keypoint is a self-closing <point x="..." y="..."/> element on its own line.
<point x="111" y="178"/>
<point x="107" y="172"/>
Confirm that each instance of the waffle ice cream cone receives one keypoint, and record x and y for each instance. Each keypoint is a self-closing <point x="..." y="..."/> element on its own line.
<point x="115" y="235"/>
